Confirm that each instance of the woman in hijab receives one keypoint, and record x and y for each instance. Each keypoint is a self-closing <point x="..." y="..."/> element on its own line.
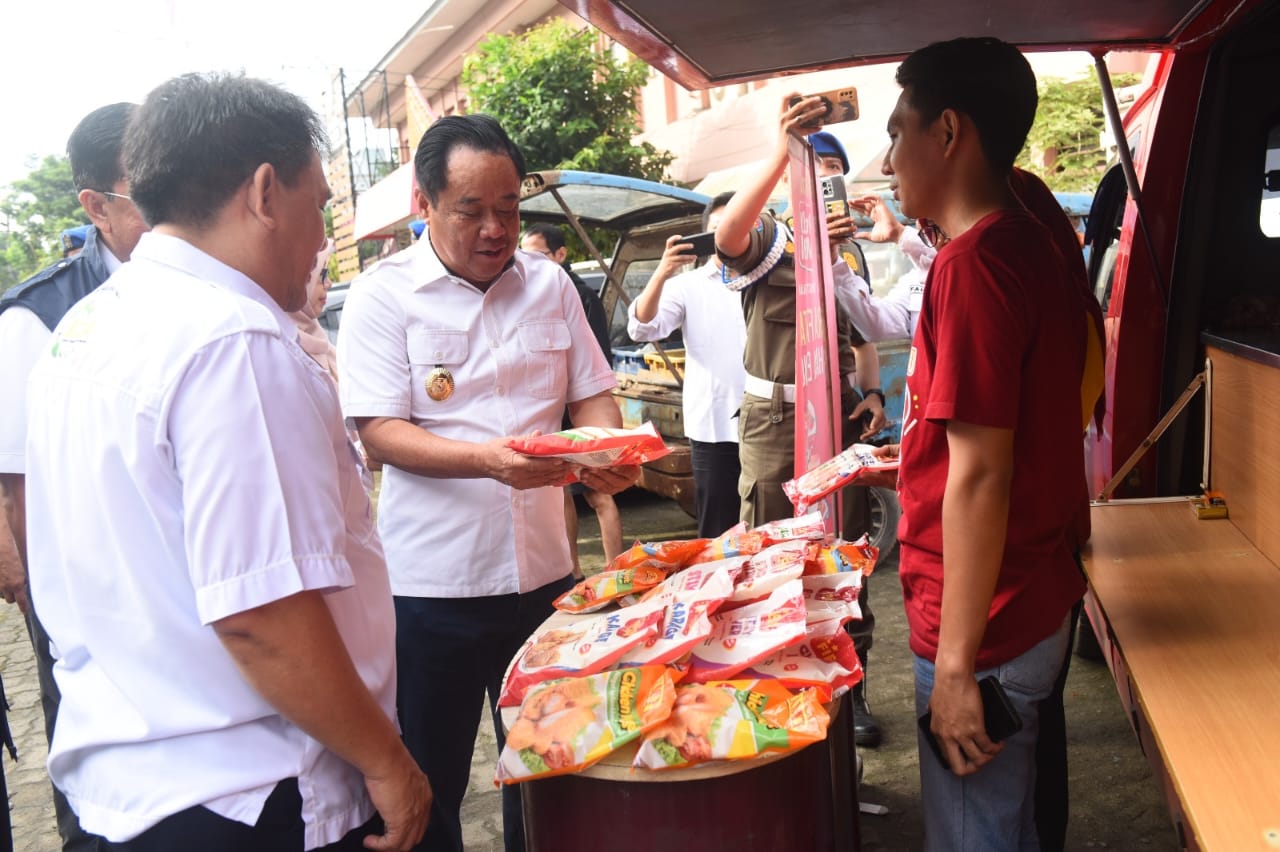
<point x="313" y="339"/>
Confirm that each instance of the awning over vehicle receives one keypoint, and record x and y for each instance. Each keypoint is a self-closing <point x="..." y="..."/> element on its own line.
<point x="608" y="201"/>
<point x="386" y="206"/>
<point x="713" y="43"/>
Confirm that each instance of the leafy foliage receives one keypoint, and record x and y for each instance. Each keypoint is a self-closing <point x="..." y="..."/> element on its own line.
<point x="33" y="213"/>
<point x="1067" y="133"/>
<point x="566" y="103"/>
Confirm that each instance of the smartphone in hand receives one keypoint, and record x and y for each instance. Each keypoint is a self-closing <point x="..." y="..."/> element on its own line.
<point x="1000" y="717"/>
<point x="704" y="244"/>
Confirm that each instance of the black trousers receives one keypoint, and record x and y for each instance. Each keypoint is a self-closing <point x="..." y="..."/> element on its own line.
<point x="1051" y="792"/>
<point x="715" y="485"/>
<point x="279" y="829"/>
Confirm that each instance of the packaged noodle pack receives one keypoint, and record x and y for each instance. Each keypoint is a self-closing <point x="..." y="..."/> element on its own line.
<point x="740" y="541"/>
<point x="595" y="446"/>
<point x="859" y="555"/>
<point x="580" y="648"/>
<point x="829" y="596"/>
<point x="688" y="618"/>
<point x="568" y="724"/>
<point x="769" y="569"/>
<point x="750" y="633"/>
<point x="668" y="555"/>
<point x="598" y="591"/>
<point x="835" y="473"/>
<point x="825" y="661"/>
<point x="732" y="720"/>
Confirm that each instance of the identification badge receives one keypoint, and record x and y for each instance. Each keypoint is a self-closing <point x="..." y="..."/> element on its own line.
<point x="440" y="384"/>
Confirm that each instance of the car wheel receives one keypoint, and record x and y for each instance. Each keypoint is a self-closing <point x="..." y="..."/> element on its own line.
<point x="884" y="520"/>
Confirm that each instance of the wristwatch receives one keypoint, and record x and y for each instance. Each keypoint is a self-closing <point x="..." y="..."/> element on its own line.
<point x="878" y="392"/>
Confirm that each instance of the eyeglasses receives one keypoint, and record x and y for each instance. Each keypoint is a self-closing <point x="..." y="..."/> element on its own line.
<point x="116" y="195"/>
<point x="930" y="234"/>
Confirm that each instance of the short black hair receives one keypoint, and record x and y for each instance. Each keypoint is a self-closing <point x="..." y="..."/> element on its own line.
<point x="551" y="235"/>
<point x="986" y="79"/>
<point x="198" y="137"/>
<point x="478" y="132"/>
<point x="94" y="147"/>
<point x="712" y="206"/>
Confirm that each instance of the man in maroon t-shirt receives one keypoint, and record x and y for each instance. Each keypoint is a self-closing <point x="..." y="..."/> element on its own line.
<point x="992" y="471"/>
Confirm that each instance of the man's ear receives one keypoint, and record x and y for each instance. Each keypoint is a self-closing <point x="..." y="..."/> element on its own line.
<point x="560" y="254"/>
<point x="948" y="129"/>
<point x="420" y="201"/>
<point x="95" y="207"/>
<point x="263" y="197"/>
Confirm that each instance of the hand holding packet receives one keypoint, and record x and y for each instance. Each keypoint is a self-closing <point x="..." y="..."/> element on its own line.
<point x="595" y="446"/>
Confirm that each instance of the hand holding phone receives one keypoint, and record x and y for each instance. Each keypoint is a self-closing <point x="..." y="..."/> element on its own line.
<point x="837" y="105"/>
<point x="704" y="244"/>
<point x="1000" y="718"/>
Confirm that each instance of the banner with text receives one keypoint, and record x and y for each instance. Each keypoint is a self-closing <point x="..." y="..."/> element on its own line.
<point x="817" y="367"/>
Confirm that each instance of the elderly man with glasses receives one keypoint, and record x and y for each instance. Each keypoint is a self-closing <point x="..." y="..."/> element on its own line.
<point x="28" y="314"/>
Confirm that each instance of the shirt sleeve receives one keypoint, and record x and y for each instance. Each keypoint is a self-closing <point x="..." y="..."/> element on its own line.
<point x="22" y="338"/>
<point x="920" y="255"/>
<point x="589" y="371"/>
<point x="375" y="379"/>
<point x="670" y="315"/>
<point x="262" y="505"/>
<point x="875" y="319"/>
<point x="982" y="332"/>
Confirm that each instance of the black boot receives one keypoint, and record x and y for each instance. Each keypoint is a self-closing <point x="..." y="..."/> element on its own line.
<point x="866" y="730"/>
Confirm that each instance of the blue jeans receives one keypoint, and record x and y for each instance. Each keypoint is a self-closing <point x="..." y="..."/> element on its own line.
<point x="993" y="809"/>
<point x="450" y="652"/>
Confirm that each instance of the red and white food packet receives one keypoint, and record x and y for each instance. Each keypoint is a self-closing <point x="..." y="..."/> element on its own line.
<point x="769" y="569"/>
<point x="598" y="591"/>
<point x="810" y="526"/>
<point x="842" y="556"/>
<point x="749" y="633"/>
<point x="595" y="446"/>
<point x="828" y="596"/>
<point x="687" y="621"/>
<point x="826" y="660"/>
<point x="581" y="647"/>
<point x="835" y="473"/>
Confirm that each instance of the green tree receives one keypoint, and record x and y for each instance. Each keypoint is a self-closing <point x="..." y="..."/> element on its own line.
<point x="34" y="210"/>
<point x="1067" y="133"/>
<point x="566" y="103"/>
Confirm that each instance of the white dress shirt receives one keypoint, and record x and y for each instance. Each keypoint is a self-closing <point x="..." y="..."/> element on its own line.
<point x="23" y="337"/>
<point x="187" y="461"/>
<point x="714" y="336"/>
<point x="896" y="314"/>
<point x="517" y="353"/>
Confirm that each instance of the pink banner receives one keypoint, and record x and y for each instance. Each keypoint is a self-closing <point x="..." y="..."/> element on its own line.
<point x="817" y="367"/>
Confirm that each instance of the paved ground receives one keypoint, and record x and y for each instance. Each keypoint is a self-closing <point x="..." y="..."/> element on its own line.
<point x="1115" y="802"/>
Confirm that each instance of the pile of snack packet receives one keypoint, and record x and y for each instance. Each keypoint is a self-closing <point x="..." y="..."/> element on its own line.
<point x="704" y="649"/>
<point x="595" y="446"/>
<point x="846" y="468"/>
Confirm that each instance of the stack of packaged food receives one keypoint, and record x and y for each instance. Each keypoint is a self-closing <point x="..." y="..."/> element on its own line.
<point x="702" y="649"/>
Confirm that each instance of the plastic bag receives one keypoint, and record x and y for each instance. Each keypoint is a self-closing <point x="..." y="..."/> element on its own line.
<point x="688" y="617"/>
<point x="733" y="720"/>
<point x="568" y="724"/>
<point x="825" y="661"/>
<point x="599" y="591"/>
<point x="769" y="569"/>
<point x="668" y="555"/>
<point x="835" y="473"/>
<point x="829" y="596"/>
<point x="842" y="557"/>
<point x="595" y="446"/>
<point x="742" y="636"/>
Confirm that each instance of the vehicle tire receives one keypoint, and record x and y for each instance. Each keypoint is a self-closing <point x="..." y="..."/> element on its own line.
<point x="884" y="520"/>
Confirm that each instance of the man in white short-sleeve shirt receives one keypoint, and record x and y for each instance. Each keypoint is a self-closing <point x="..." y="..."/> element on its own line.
<point x="447" y="350"/>
<point x="204" y="556"/>
<point x="714" y="332"/>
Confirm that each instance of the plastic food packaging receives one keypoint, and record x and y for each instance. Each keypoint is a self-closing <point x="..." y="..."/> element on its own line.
<point x="750" y="633"/>
<point x="835" y="473"/>
<point x="568" y="724"/>
<point x="810" y="526"/>
<point x="825" y="661"/>
<point x="688" y="617"/>
<point x="733" y="720"/>
<point x="828" y="596"/>
<point x="580" y="648"/>
<point x="600" y="590"/>
<point x="595" y="446"/>
<point x="842" y="557"/>
<point x="769" y="569"/>
<point x="668" y="555"/>
<point x="719" y="575"/>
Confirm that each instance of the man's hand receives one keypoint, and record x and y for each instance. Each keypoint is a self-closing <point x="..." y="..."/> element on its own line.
<point x="610" y="480"/>
<point x="799" y="119"/>
<point x="958" y="723"/>
<point x="403" y="799"/>
<point x="13" y="579"/>
<point x="676" y="255"/>
<point x="840" y="229"/>
<point x="878" y="419"/>
<point x="882" y="478"/>
<point x="523" y="472"/>
<point x="885" y="227"/>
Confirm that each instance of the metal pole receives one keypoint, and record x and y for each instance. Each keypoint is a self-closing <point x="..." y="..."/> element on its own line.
<point x="1149" y="441"/>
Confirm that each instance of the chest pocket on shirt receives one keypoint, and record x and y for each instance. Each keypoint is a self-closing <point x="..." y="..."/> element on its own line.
<point x="778" y="298"/>
<point x="427" y="350"/>
<point x="546" y="347"/>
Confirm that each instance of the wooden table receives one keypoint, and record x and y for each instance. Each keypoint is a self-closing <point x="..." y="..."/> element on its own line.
<point x="800" y="801"/>
<point x="1192" y="614"/>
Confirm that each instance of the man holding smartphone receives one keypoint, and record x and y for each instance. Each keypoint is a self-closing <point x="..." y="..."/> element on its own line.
<point x="992" y="475"/>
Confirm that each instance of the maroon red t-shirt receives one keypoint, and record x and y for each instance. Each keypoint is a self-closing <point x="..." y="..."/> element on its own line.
<point x="1000" y="343"/>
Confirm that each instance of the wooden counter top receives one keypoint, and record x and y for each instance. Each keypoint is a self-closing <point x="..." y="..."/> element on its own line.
<point x="1194" y="608"/>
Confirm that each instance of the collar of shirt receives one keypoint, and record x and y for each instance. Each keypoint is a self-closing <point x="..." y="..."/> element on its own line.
<point x="109" y="260"/>
<point x="179" y="254"/>
<point x="428" y="269"/>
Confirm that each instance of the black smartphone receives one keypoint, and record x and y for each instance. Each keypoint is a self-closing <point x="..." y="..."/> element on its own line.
<point x="704" y="244"/>
<point x="999" y="716"/>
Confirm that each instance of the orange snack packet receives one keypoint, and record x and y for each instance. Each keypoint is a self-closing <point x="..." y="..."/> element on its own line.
<point x="732" y="720"/>
<point x="568" y="724"/>
<point x="842" y="556"/>
<point x="580" y="648"/>
<point x="595" y="446"/>
<point x="668" y="555"/>
<point x="599" y="591"/>
<point x="742" y="636"/>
